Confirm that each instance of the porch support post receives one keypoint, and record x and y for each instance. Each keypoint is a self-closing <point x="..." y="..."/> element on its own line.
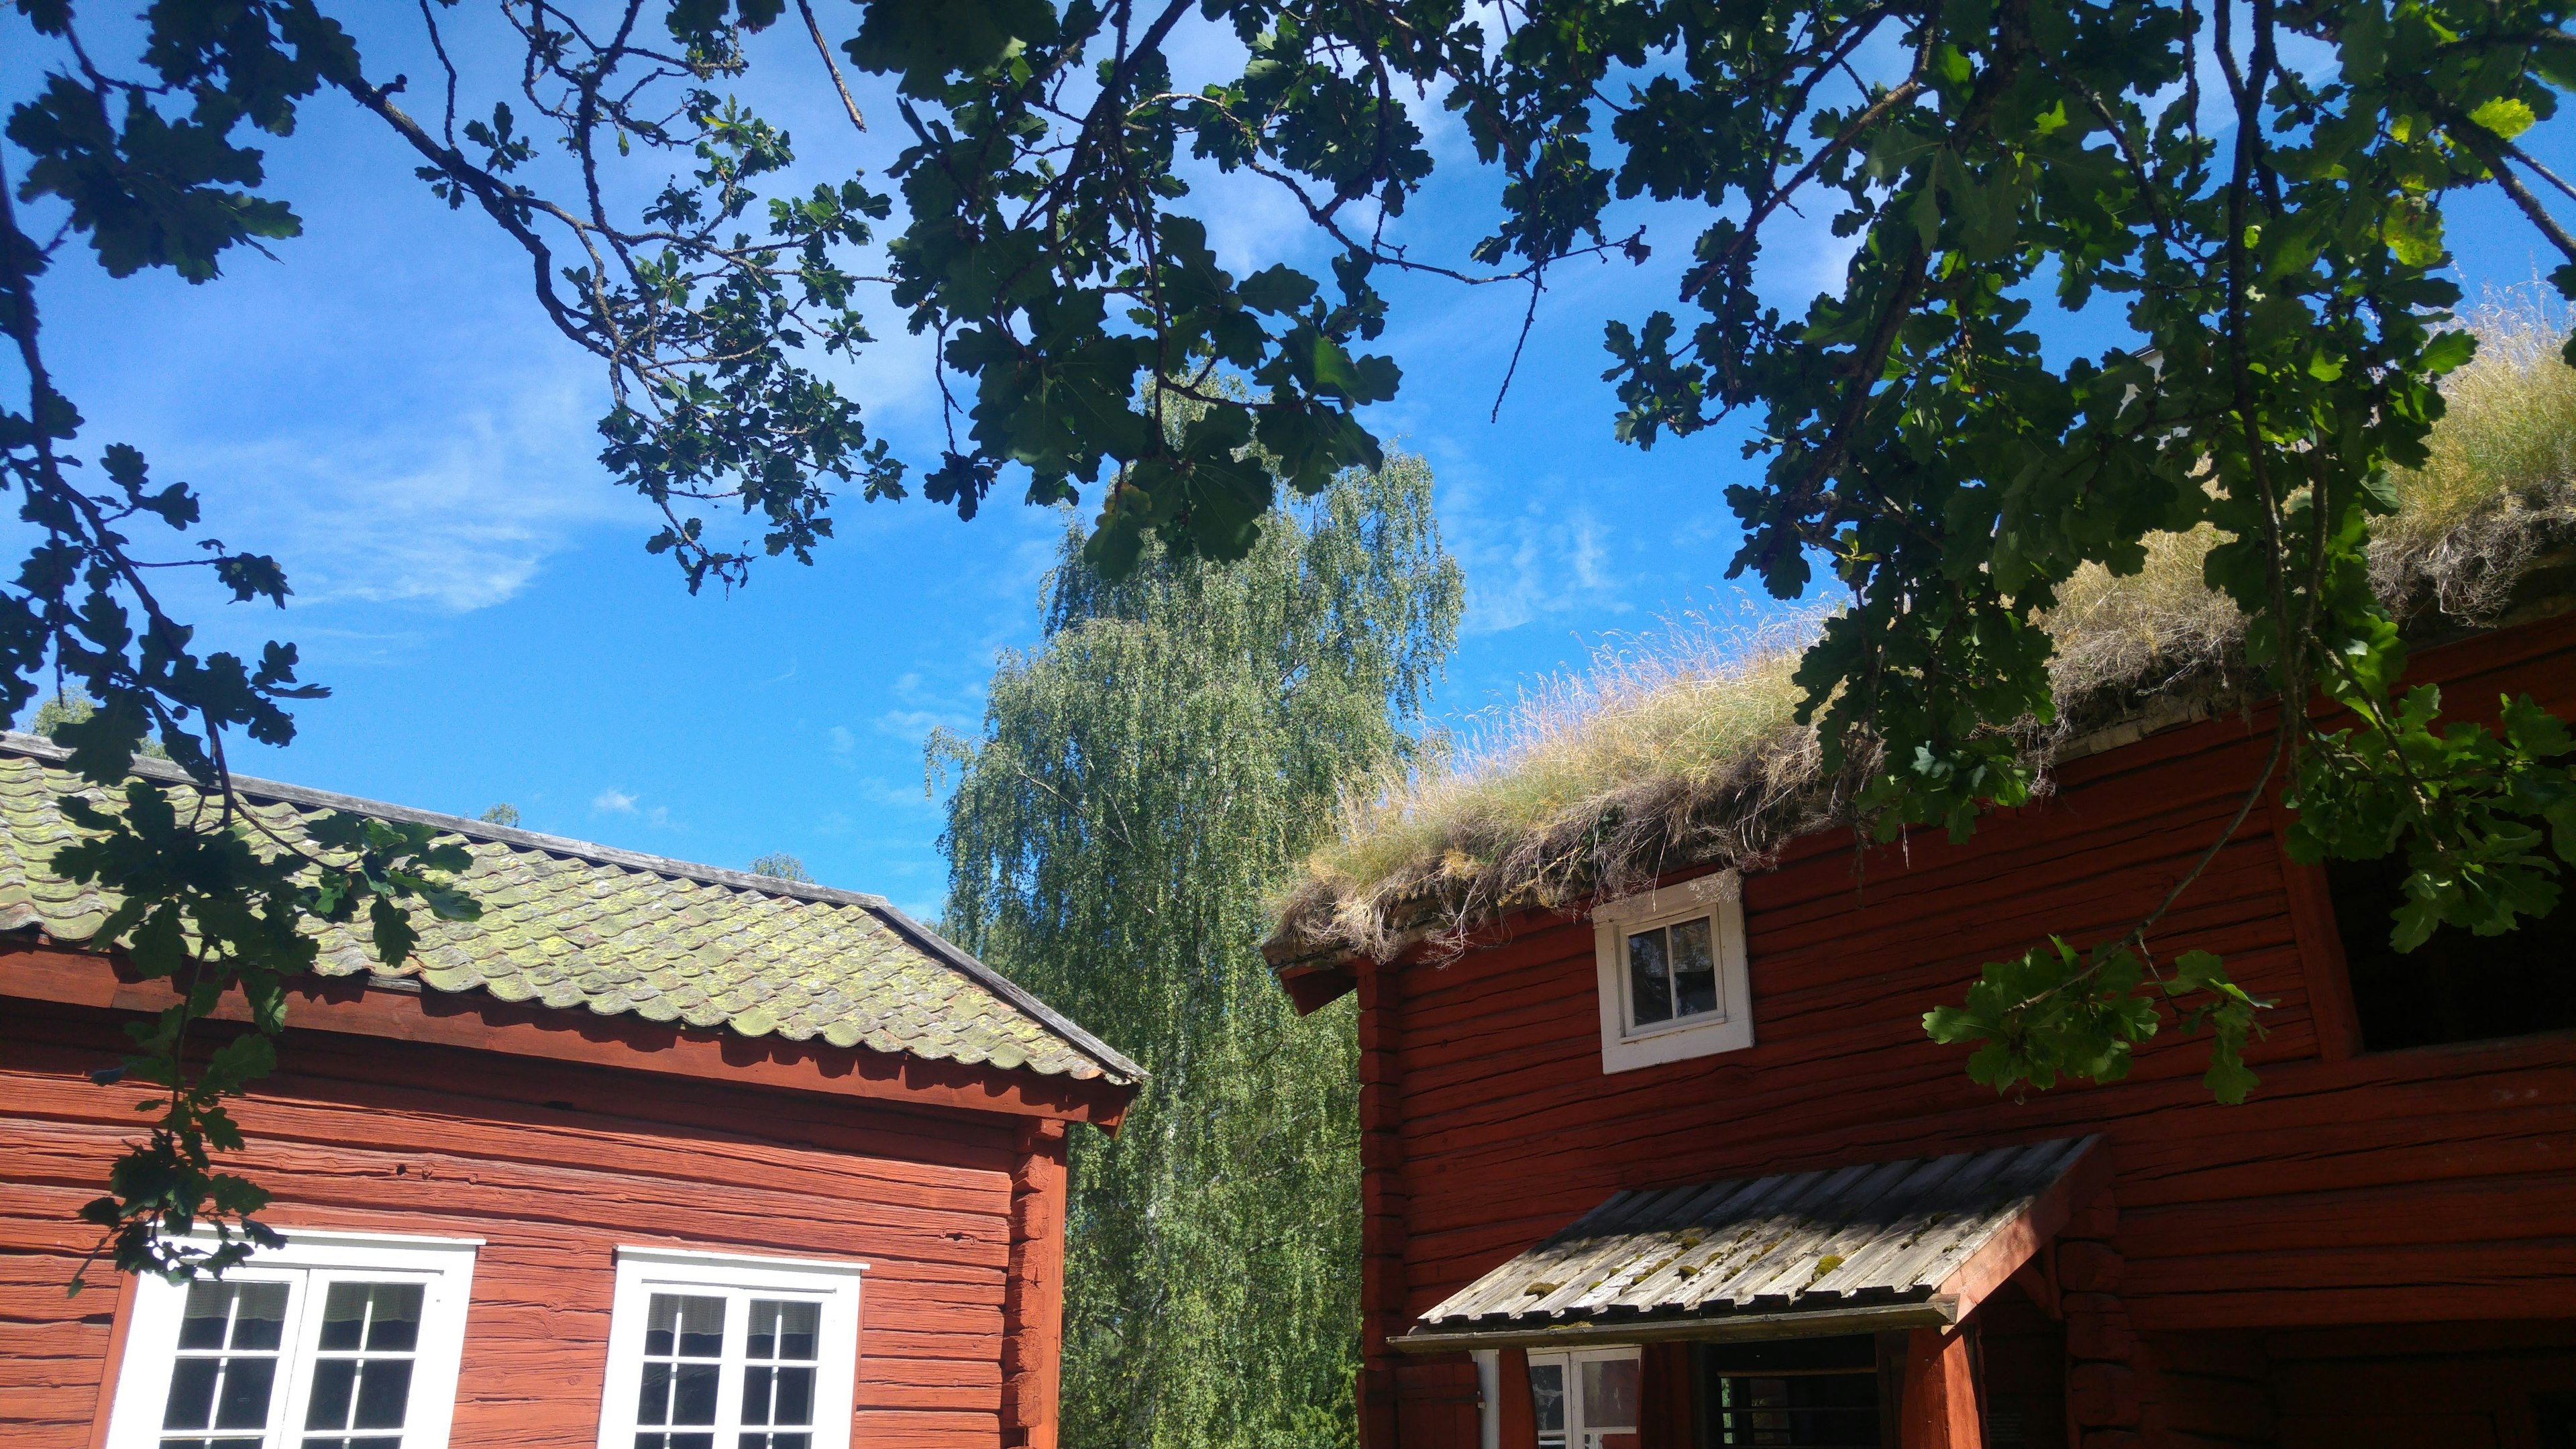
<point x="1940" y="1410"/>
<point x="1033" y="1291"/>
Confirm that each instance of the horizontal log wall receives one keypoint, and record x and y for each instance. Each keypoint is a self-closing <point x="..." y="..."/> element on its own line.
<point x="553" y="1165"/>
<point x="2417" y="1185"/>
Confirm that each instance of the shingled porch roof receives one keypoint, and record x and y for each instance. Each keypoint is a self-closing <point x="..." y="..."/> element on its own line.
<point x="575" y="925"/>
<point x="1911" y="1243"/>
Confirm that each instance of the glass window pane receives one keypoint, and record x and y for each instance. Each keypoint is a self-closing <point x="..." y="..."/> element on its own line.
<point x="242" y="1401"/>
<point x="1547" y="1398"/>
<point x="259" y="1316"/>
<point x="334" y="1383"/>
<point x="688" y="1327"/>
<point x="1609" y="1395"/>
<point x="784" y="1330"/>
<point x="794" y="1403"/>
<point x="1694" y="969"/>
<point x="1650" y="994"/>
<point x="209" y="1315"/>
<point x="377" y="1317"/>
<point x="192" y="1394"/>
<point x="653" y="1402"/>
<point x="693" y="1393"/>
<point x="344" y="1317"/>
<point x="384" y="1392"/>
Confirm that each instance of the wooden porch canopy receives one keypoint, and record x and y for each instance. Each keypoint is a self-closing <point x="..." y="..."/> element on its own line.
<point x="1915" y="1243"/>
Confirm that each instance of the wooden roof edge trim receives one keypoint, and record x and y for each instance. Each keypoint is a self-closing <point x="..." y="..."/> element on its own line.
<point x="1314" y="985"/>
<point x="2019" y="1240"/>
<point x="38" y="969"/>
<point x="921" y="937"/>
<point x="1933" y="1312"/>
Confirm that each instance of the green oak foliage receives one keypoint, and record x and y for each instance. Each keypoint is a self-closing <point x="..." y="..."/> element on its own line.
<point x="1142" y="778"/>
<point x="2257" y="189"/>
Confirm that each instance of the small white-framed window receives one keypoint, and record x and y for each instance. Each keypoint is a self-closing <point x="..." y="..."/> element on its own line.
<point x="335" y="1341"/>
<point x="1585" y="1399"/>
<point x="728" y="1351"/>
<point x="1672" y="973"/>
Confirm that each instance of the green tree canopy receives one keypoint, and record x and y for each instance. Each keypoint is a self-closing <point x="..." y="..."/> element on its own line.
<point x="2259" y="187"/>
<point x="779" y="865"/>
<point x="1142" y="779"/>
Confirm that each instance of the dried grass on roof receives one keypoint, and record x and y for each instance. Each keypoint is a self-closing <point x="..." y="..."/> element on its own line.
<point x="1684" y="749"/>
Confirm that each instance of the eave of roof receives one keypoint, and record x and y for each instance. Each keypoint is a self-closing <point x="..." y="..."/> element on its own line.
<point x="914" y="934"/>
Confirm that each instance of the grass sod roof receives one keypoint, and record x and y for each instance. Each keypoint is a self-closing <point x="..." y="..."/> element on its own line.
<point x="1688" y="752"/>
<point x="570" y="924"/>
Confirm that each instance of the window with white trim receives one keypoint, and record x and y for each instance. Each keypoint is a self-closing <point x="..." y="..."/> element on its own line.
<point x="1585" y="1399"/>
<point x="1672" y="973"/>
<point x="335" y="1341"/>
<point x="728" y="1351"/>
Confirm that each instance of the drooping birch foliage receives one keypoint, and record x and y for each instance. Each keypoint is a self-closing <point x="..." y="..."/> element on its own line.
<point x="1143" y="778"/>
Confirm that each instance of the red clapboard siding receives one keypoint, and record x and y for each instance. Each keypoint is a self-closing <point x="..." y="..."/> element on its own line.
<point x="553" y="1165"/>
<point x="2410" y="1186"/>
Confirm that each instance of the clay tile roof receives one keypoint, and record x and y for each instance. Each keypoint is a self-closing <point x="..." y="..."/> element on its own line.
<point x="1846" y="1249"/>
<point x="571" y="924"/>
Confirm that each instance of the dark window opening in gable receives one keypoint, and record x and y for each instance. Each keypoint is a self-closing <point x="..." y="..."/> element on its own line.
<point x="2458" y="986"/>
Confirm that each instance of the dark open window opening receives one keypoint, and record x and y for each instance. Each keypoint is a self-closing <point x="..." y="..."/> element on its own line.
<point x="1815" y="1393"/>
<point x="2457" y="986"/>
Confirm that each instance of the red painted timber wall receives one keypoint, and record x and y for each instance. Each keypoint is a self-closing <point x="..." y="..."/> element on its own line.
<point x="553" y="1165"/>
<point x="2407" y="1186"/>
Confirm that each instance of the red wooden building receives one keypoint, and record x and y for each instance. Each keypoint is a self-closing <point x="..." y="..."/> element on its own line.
<point x="654" y="1156"/>
<point x="1683" y="1170"/>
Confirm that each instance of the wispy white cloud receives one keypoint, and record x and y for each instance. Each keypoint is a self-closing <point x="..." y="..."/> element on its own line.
<point x="612" y="801"/>
<point x="455" y="511"/>
<point x="915" y="724"/>
<point x="1536" y="565"/>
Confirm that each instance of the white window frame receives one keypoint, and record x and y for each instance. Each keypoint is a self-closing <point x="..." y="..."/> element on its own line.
<point x="310" y="1262"/>
<point x="1578" y="1434"/>
<point x="1720" y="898"/>
<point x="737" y="1278"/>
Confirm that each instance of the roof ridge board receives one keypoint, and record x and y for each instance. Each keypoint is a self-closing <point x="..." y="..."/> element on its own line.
<point x="922" y="937"/>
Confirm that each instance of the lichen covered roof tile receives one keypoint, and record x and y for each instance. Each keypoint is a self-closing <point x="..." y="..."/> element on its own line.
<point x="570" y="924"/>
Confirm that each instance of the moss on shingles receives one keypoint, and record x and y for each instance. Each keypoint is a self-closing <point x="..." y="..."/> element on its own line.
<point x="609" y="938"/>
<point x="1688" y="752"/>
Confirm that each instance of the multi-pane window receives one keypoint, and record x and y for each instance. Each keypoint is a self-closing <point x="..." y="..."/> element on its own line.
<point x="693" y="1369"/>
<point x="362" y="1366"/>
<point x="334" y="1342"/>
<point x="1585" y="1400"/>
<point x="1672" y="974"/>
<point x="778" y="1375"/>
<point x="683" y="1373"/>
<point x="223" y="1377"/>
<point x="719" y="1351"/>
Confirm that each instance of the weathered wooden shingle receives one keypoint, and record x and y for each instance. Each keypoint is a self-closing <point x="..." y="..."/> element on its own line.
<point x="571" y="924"/>
<point x="1881" y="1234"/>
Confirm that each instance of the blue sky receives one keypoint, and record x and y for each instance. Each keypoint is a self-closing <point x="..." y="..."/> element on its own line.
<point x="384" y="409"/>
